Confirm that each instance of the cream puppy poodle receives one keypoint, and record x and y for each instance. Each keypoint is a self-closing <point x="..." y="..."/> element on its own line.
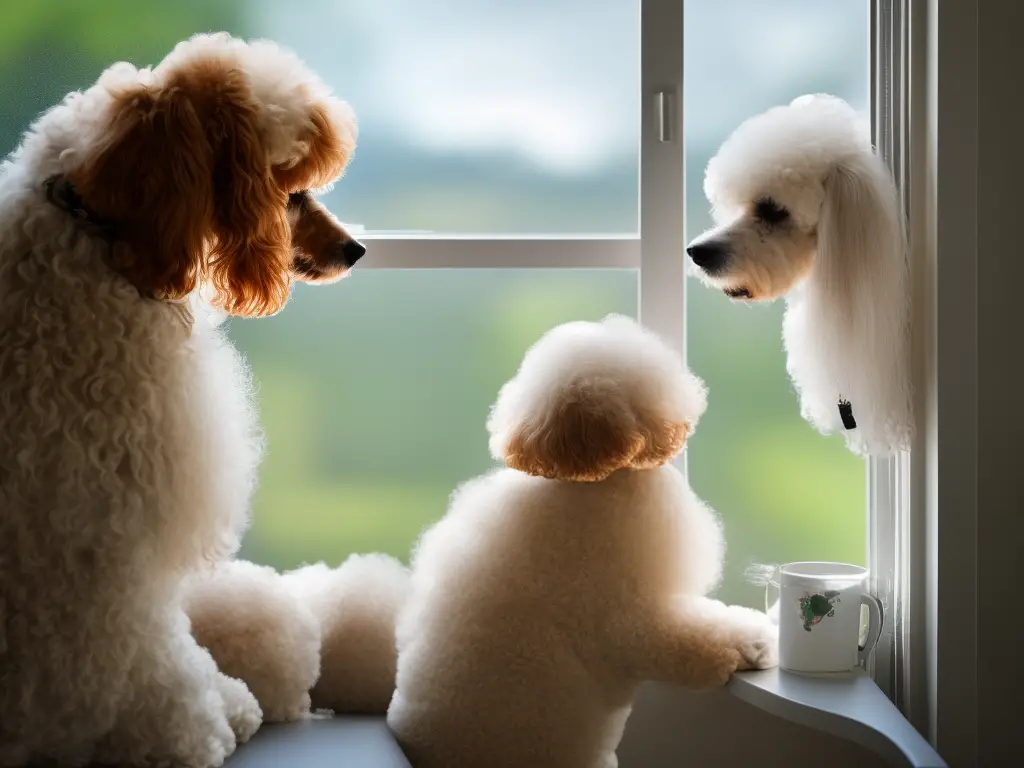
<point x="553" y="587"/>
<point x="804" y="208"/>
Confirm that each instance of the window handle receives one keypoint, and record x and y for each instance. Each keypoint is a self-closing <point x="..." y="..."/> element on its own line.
<point x="663" y="115"/>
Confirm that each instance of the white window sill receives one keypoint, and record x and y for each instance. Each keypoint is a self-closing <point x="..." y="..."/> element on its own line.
<point x="322" y="741"/>
<point x="848" y="705"/>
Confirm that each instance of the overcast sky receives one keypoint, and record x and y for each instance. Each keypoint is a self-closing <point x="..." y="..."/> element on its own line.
<point x="556" y="81"/>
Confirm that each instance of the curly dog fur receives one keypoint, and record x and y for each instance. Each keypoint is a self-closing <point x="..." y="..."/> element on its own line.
<point x="552" y="588"/>
<point x="805" y="209"/>
<point x="129" y="442"/>
<point x="357" y="606"/>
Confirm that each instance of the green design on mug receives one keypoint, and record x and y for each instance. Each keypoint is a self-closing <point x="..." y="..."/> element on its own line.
<point x="814" y="608"/>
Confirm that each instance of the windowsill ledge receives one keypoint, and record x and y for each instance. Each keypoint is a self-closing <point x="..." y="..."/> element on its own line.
<point x="847" y="705"/>
<point x="322" y="741"/>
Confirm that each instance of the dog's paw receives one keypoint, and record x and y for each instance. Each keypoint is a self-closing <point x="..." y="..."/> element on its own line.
<point x="213" y="754"/>
<point x="287" y="708"/>
<point x="759" y="654"/>
<point x="759" y="647"/>
<point x="241" y="708"/>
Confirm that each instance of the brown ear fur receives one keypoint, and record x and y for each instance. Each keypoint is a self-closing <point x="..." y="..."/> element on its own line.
<point x="185" y="175"/>
<point x="585" y="445"/>
<point x="579" y="442"/>
<point x="250" y="262"/>
<point x="153" y="178"/>
<point x="663" y="440"/>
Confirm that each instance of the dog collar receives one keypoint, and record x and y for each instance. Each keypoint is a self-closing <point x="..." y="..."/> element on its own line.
<point x="61" y="194"/>
<point x="846" y="414"/>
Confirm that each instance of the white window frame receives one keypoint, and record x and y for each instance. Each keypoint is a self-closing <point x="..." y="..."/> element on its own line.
<point x="940" y="689"/>
<point x="888" y="479"/>
<point x="657" y="252"/>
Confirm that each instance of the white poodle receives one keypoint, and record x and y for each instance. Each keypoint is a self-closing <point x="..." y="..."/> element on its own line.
<point x="129" y="441"/>
<point x="317" y="636"/>
<point x="805" y="209"/>
<point x="551" y="589"/>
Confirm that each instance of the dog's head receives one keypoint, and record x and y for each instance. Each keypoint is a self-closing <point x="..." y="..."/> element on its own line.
<point x="593" y="398"/>
<point x="205" y="166"/>
<point x="796" y="190"/>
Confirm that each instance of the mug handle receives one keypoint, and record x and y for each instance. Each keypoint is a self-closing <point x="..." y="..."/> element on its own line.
<point x="875" y="616"/>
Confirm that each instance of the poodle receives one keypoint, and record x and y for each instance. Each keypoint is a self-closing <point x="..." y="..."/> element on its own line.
<point x="554" y="586"/>
<point x="805" y="209"/>
<point x="130" y="442"/>
<point x="316" y="637"/>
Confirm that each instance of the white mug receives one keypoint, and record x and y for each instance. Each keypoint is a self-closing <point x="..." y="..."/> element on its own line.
<point x="819" y="616"/>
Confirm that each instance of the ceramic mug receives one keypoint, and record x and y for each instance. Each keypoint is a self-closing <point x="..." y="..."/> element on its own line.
<point x="818" y="614"/>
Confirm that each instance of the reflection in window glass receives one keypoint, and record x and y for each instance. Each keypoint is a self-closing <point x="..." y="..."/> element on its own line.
<point x="784" y="492"/>
<point x="374" y="394"/>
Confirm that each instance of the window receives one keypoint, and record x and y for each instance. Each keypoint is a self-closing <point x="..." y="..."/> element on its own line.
<point x="508" y="178"/>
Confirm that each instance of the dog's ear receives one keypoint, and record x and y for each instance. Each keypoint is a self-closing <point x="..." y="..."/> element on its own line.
<point x="584" y="433"/>
<point x="663" y="440"/>
<point x="152" y="176"/>
<point x="185" y="174"/>
<point x="860" y="234"/>
<point x="859" y="299"/>
<point x="250" y="259"/>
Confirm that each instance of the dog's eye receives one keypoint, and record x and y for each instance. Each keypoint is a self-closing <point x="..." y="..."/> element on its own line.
<point x="770" y="212"/>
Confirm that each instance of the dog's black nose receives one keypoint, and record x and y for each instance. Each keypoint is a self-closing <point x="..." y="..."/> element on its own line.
<point x="709" y="256"/>
<point x="353" y="251"/>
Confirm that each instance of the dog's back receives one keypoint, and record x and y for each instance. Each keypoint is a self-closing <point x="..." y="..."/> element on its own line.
<point x="505" y="650"/>
<point x="125" y="458"/>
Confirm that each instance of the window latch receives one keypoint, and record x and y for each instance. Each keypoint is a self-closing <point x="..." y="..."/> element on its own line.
<point x="663" y="115"/>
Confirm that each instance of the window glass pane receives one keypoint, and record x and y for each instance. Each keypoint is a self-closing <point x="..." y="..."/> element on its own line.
<point x="374" y="394"/>
<point x="785" y="492"/>
<point x="476" y="117"/>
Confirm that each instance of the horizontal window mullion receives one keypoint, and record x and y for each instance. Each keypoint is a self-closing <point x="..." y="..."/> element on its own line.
<point x="500" y="253"/>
